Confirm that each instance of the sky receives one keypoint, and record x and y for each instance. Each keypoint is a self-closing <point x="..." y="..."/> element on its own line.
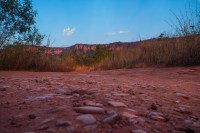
<point x="105" y="21"/>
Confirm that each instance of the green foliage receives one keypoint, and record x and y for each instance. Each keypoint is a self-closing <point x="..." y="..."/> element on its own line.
<point x="17" y="19"/>
<point x="100" y="53"/>
<point x="94" y="58"/>
<point x="33" y="37"/>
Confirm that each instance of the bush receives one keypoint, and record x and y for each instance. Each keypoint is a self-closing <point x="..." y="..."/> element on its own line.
<point x="182" y="51"/>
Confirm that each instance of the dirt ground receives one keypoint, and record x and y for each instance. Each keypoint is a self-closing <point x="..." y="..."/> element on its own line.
<point x="145" y="100"/>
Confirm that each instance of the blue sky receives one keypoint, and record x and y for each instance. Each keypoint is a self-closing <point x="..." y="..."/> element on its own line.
<point x="105" y="21"/>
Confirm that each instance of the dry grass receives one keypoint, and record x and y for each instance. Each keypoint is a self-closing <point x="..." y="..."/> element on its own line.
<point x="20" y="57"/>
<point x="184" y="51"/>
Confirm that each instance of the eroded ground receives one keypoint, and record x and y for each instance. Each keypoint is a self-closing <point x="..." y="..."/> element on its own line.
<point x="150" y="100"/>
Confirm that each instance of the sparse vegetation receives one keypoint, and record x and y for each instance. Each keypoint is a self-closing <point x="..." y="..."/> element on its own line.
<point x="183" y="51"/>
<point x="20" y="50"/>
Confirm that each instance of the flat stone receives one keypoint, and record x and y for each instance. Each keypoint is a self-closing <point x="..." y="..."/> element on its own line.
<point x="82" y="92"/>
<point x="120" y="94"/>
<point x="70" y="129"/>
<point x="182" y="95"/>
<point x="62" y="123"/>
<point x="111" y="119"/>
<point x="41" y="98"/>
<point x="50" y="130"/>
<point x="111" y="112"/>
<point x="47" y="121"/>
<point x="86" y="119"/>
<point x="129" y="115"/>
<point x="89" y="128"/>
<point x="43" y="127"/>
<point x="138" y="131"/>
<point x="76" y="95"/>
<point x="183" y="110"/>
<point x="91" y="103"/>
<point x="4" y="88"/>
<point x="156" y="116"/>
<point x="89" y="110"/>
<point x="116" y="104"/>
<point x="131" y="110"/>
<point x="137" y="120"/>
<point x="56" y="109"/>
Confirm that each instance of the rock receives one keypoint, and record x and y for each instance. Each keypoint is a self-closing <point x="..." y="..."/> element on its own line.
<point x="155" y="131"/>
<point x="43" y="127"/>
<point x="108" y="95"/>
<point x="41" y="98"/>
<point x="183" y="110"/>
<point x="89" y="128"/>
<point x="186" y="130"/>
<point x="111" y="112"/>
<point x="4" y="88"/>
<point x="89" y="110"/>
<point x="129" y="115"/>
<point x="32" y="116"/>
<point x="182" y="95"/>
<point x="82" y="92"/>
<point x="86" y="119"/>
<point x="116" y="104"/>
<point x="138" y="131"/>
<point x="196" y="124"/>
<point x="120" y="94"/>
<point x="47" y="121"/>
<point x="76" y="95"/>
<point x="14" y="124"/>
<point x="188" y="121"/>
<point x="137" y="120"/>
<point x="192" y="122"/>
<point x="156" y="116"/>
<point x="91" y="103"/>
<point x="153" y="106"/>
<point x="131" y="110"/>
<point x="50" y="130"/>
<point x="62" y="123"/>
<point x="70" y="129"/>
<point x="55" y="109"/>
<point x="111" y="119"/>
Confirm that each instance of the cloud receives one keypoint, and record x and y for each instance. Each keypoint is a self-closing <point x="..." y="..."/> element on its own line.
<point x="114" y="33"/>
<point x="110" y="33"/>
<point x="122" y="32"/>
<point x="68" y="31"/>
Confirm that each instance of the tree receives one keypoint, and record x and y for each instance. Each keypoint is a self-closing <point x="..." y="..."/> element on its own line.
<point x="32" y="37"/>
<point x="187" y="23"/>
<point x="17" y="22"/>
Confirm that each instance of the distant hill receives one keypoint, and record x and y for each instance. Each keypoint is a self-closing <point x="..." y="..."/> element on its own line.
<point x="87" y="48"/>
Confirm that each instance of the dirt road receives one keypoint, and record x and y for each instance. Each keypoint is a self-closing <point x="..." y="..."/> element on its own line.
<point x="146" y="100"/>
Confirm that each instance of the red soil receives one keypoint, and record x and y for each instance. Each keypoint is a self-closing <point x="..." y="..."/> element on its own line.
<point x="157" y="100"/>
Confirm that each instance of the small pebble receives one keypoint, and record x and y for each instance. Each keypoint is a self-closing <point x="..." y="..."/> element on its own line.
<point x="31" y="116"/>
